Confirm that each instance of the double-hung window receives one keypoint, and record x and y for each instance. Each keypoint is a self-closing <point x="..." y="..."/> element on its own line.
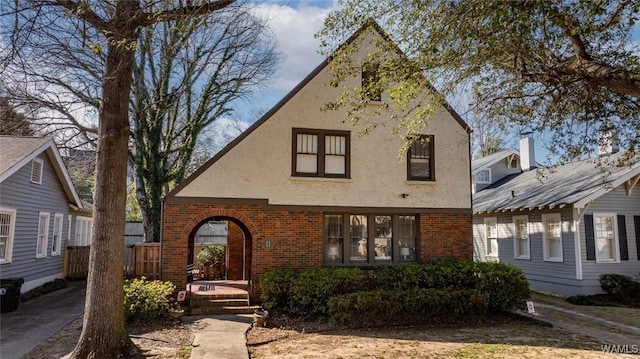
<point x="521" y="237"/>
<point x="321" y="153"/>
<point x="491" y="235"/>
<point x="43" y="235"/>
<point x="57" y="234"/>
<point x="420" y="159"/>
<point x="552" y="237"/>
<point x="7" y="227"/>
<point x="605" y="231"/>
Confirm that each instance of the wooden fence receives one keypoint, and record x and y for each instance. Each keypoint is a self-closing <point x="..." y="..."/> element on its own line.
<point x="147" y="260"/>
<point x="141" y="259"/>
<point x="76" y="262"/>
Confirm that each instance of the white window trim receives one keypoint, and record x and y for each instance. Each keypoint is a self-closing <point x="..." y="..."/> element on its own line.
<point x="41" y="162"/>
<point x="545" y="255"/>
<point x="55" y="250"/>
<point x="486" y="238"/>
<point x="616" y="241"/>
<point x="12" y="227"/>
<point x="478" y="177"/>
<point x="46" y="241"/>
<point x="515" y="238"/>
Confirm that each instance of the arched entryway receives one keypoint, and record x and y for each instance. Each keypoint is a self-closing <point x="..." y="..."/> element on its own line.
<point x="236" y="239"/>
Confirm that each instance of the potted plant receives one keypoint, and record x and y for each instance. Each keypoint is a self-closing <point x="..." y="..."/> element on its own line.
<point x="212" y="256"/>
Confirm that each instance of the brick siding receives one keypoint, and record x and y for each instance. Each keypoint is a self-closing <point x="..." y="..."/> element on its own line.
<point x="295" y="238"/>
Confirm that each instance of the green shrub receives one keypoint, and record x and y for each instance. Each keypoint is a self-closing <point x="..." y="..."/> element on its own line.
<point x="504" y="286"/>
<point x="212" y="255"/>
<point x="48" y="287"/>
<point x="307" y="292"/>
<point x="276" y="287"/>
<point x="620" y="286"/>
<point x="313" y="287"/>
<point x="409" y="306"/>
<point x="145" y="299"/>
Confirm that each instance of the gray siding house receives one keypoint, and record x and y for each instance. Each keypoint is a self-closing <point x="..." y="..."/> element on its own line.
<point x="38" y="210"/>
<point x="565" y="228"/>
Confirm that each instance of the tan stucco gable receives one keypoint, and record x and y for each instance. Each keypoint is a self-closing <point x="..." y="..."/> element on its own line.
<point x="258" y="164"/>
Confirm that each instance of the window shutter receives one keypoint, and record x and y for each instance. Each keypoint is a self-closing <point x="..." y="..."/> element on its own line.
<point x="36" y="171"/>
<point x="590" y="237"/>
<point x="636" y="221"/>
<point x="622" y="237"/>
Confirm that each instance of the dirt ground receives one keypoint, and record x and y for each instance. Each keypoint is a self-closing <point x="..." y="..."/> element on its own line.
<point x="162" y="340"/>
<point x="284" y="338"/>
<point x="496" y="338"/>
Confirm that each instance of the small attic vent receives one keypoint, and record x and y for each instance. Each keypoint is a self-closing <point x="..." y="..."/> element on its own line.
<point x="36" y="171"/>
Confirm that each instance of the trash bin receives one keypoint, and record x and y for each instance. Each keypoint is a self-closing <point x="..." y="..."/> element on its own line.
<point x="10" y="294"/>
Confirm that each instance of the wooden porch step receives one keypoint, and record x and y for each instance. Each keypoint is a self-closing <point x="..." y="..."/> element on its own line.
<point x="228" y="302"/>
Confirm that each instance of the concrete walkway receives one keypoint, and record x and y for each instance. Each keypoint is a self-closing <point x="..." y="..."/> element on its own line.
<point x="572" y="320"/>
<point x="38" y="319"/>
<point x="219" y="336"/>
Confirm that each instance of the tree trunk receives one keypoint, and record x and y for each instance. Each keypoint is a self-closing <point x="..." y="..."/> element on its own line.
<point x="104" y="334"/>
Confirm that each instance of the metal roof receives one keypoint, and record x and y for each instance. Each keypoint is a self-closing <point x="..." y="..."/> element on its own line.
<point x="574" y="183"/>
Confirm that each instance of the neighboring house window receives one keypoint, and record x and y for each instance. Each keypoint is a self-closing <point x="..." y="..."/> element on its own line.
<point x="57" y="234"/>
<point x="43" y="235"/>
<point x="606" y="238"/>
<point x="83" y="231"/>
<point x="483" y="176"/>
<point x="371" y="88"/>
<point x="7" y="227"/>
<point x="321" y="153"/>
<point x="420" y="159"/>
<point x="36" y="171"/>
<point x="370" y="239"/>
<point x="552" y="237"/>
<point x="521" y="237"/>
<point x="491" y="234"/>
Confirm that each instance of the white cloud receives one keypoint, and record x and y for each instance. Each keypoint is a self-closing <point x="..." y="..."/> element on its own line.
<point x="294" y="29"/>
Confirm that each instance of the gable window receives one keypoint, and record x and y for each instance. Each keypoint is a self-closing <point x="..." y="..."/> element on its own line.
<point x="43" y="235"/>
<point x="512" y="163"/>
<point x="521" y="237"/>
<point x="420" y="162"/>
<point x="321" y="153"/>
<point x="605" y="231"/>
<point x="7" y="227"/>
<point x="483" y="176"/>
<point x="36" y="170"/>
<point x="57" y="234"/>
<point x="491" y="235"/>
<point x="552" y="237"/>
<point x="371" y="239"/>
<point x="371" y="88"/>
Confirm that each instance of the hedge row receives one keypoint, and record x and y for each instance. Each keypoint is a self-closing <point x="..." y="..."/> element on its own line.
<point x="307" y="292"/>
<point x="413" y="305"/>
